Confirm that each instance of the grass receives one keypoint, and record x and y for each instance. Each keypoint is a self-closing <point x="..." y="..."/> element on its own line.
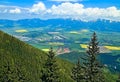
<point x="21" y="31"/>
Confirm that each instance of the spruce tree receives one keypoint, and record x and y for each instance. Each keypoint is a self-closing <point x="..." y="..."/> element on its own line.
<point x="77" y="72"/>
<point x="50" y="72"/>
<point x="93" y="68"/>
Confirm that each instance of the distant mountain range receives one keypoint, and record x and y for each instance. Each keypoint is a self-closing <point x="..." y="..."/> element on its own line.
<point x="99" y="25"/>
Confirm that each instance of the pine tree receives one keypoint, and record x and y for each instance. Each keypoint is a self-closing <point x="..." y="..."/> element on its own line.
<point x="78" y="72"/>
<point x="50" y="73"/>
<point x="93" y="68"/>
<point x="118" y="80"/>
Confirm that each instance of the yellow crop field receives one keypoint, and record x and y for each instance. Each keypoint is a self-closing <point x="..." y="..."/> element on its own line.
<point x="108" y="47"/>
<point x="21" y="31"/>
<point x="112" y="47"/>
<point x="83" y="45"/>
<point x="74" y="32"/>
<point x="46" y="50"/>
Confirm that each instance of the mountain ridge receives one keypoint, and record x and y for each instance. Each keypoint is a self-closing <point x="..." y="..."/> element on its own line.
<point x="99" y="25"/>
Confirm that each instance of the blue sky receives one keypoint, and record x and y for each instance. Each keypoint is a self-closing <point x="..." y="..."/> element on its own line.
<point x="28" y="3"/>
<point x="86" y="10"/>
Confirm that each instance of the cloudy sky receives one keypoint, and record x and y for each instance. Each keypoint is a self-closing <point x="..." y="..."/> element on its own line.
<point x="85" y="10"/>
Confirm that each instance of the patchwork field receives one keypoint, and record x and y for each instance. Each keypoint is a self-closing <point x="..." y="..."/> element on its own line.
<point x="112" y="47"/>
<point x="70" y="44"/>
<point x="21" y="31"/>
<point x="83" y="45"/>
<point x="108" y="47"/>
<point x="46" y="50"/>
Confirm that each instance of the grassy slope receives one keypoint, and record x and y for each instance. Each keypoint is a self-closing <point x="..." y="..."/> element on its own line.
<point x="30" y="60"/>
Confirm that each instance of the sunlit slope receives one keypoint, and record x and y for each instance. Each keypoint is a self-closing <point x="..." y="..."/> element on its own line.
<point x="28" y="59"/>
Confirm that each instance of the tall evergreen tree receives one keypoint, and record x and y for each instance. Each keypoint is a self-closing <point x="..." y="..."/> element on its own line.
<point x="78" y="72"/>
<point x="50" y="73"/>
<point x="93" y="68"/>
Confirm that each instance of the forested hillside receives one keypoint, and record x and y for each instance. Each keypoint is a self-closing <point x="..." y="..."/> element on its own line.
<point x="21" y="62"/>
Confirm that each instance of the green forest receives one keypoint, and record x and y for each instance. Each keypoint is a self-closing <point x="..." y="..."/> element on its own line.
<point x="20" y="62"/>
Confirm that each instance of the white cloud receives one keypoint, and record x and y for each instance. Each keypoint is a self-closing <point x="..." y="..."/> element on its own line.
<point x="67" y="9"/>
<point x="79" y="12"/>
<point x="38" y="8"/>
<point x="70" y="10"/>
<point x="15" y="11"/>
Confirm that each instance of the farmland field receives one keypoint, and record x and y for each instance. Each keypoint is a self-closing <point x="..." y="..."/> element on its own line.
<point x="113" y="47"/>
<point x="69" y="44"/>
<point x="21" y="31"/>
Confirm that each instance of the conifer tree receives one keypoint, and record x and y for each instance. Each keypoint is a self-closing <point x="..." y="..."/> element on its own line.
<point x="50" y="73"/>
<point x="93" y="68"/>
<point x="77" y="72"/>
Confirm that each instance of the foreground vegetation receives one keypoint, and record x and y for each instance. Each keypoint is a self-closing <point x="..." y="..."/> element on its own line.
<point x="21" y="62"/>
